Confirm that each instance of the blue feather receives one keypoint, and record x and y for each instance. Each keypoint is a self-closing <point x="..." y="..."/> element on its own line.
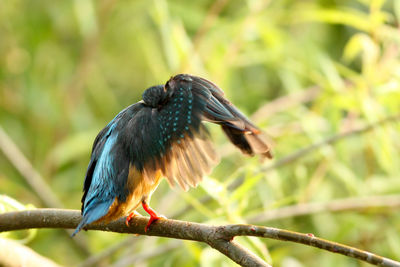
<point x="93" y="213"/>
<point x="101" y="193"/>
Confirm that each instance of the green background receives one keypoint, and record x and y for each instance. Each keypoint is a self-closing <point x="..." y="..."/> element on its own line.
<point x="68" y="67"/>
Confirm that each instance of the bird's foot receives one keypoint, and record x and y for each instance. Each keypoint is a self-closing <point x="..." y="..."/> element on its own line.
<point x="153" y="215"/>
<point x="130" y="216"/>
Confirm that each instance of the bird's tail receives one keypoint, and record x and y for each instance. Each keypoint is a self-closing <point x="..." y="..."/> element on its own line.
<point x="93" y="212"/>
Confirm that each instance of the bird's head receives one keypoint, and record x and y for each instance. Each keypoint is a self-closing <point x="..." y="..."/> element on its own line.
<point x="155" y="96"/>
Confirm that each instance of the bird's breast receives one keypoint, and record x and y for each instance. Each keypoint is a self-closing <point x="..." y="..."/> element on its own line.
<point x="139" y="189"/>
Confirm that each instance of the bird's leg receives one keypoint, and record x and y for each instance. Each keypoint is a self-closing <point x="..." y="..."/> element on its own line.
<point x="130" y="216"/>
<point x="153" y="215"/>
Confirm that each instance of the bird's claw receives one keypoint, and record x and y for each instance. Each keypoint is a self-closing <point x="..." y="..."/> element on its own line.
<point x="130" y="216"/>
<point x="152" y="220"/>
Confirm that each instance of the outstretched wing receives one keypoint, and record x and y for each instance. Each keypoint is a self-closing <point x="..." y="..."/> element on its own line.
<point x="174" y="139"/>
<point x="171" y="138"/>
<point x="238" y="128"/>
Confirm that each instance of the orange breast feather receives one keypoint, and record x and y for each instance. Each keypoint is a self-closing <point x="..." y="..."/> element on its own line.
<point x="139" y="189"/>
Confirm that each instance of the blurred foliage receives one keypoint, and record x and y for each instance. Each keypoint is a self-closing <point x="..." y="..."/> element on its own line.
<point x="68" y="67"/>
<point x="8" y="204"/>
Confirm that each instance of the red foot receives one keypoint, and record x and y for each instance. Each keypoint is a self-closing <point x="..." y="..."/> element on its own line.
<point x="153" y="215"/>
<point x="129" y="218"/>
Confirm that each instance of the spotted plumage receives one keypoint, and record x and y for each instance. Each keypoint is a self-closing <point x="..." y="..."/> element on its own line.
<point x="161" y="136"/>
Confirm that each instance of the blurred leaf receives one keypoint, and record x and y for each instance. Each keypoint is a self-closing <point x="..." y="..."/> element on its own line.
<point x="249" y="182"/>
<point x="198" y="206"/>
<point x="9" y="204"/>
<point x="353" y="47"/>
<point x="396" y="5"/>
<point x="214" y="188"/>
<point x="72" y="148"/>
<point x="348" y="16"/>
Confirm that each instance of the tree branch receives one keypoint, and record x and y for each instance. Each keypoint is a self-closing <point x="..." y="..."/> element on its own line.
<point x="218" y="237"/>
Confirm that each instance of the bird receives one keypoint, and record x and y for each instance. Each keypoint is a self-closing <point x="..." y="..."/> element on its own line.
<point x="161" y="136"/>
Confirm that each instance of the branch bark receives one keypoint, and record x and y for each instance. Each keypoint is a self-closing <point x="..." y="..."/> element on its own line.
<point x="218" y="237"/>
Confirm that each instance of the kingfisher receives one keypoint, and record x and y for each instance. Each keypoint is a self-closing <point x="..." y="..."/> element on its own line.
<point x="161" y="136"/>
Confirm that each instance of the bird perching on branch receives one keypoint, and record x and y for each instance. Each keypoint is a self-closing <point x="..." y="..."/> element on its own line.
<point x="161" y="136"/>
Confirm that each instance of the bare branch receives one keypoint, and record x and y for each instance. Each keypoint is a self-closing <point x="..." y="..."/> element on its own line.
<point x="338" y="205"/>
<point x="285" y="102"/>
<point x="218" y="237"/>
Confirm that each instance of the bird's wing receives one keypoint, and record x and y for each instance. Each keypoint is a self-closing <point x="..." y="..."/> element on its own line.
<point x="238" y="128"/>
<point x="172" y="140"/>
<point x="170" y="137"/>
<point x="107" y="171"/>
<point x="97" y="149"/>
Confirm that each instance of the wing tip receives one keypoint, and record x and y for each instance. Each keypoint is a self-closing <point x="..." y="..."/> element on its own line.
<point x="259" y="144"/>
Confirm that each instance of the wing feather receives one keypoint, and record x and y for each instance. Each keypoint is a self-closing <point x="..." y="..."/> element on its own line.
<point x="174" y="140"/>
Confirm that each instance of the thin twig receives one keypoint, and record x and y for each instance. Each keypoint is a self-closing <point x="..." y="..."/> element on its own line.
<point x="218" y="237"/>
<point x="338" y="205"/>
<point x="285" y="102"/>
<point x="330" y="140"/>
